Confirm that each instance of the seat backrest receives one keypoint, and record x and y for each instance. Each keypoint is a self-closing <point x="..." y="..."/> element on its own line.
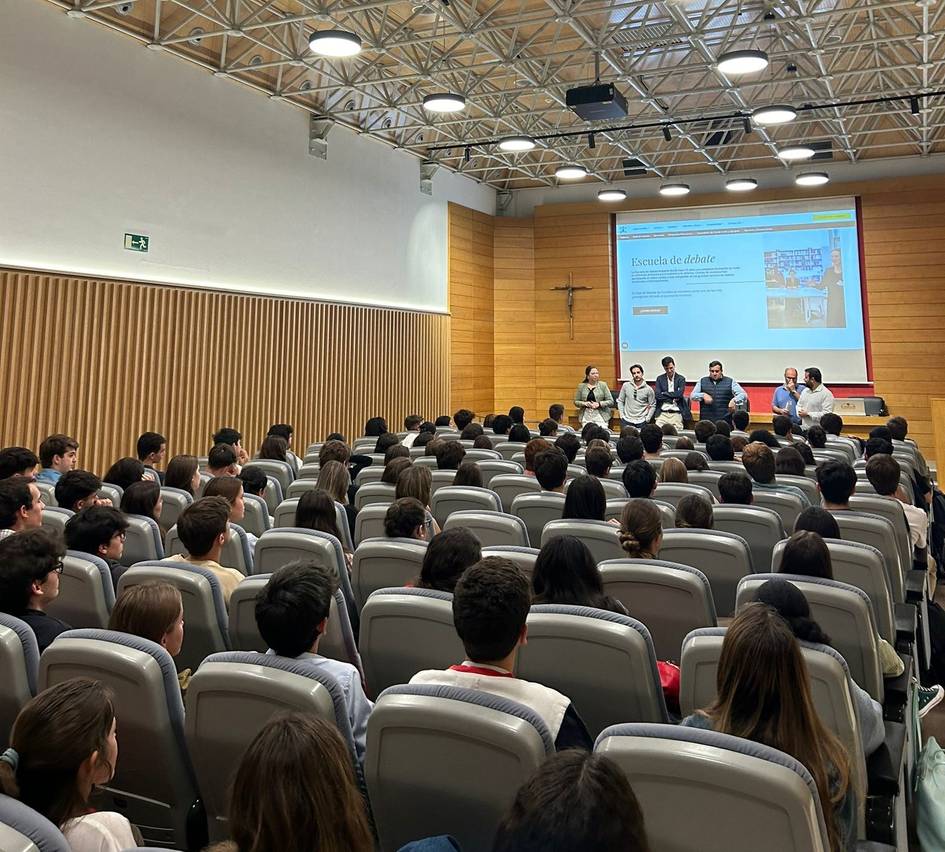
<point x="787" y="505"/>
<point x="310" y="467"/>
<point x="371" y="473"/>
<point x="19" y="667"/>
<point x="760" y="527"/>
<point x="805" y="483"/>
<point x="273" y="495"/>
<point x="727" y="466"/>
<point x="142" y="540"/>
<point x="369" y="522"/>
<point x="282" y="472"/>
<point x="375" y="492"/>
<point x="538" y="509"/>
<point x="673" y="492"/>
<point x="112" y="492"/>
<point x="491" y="527"/>
<point x="301" y="485"/>
<point x="475" y="455"/>
<point x="891" y="509"/>
<point x="173" y="502"/>
<point x="613" y="488"/>
<point x="24" y="830"/>
<point x="569" y="648"/>
<point x="723" y="557"/>
<point x="47" y="490"/>
<point x="490" y="468"/>
<point x="717" y="781"/>
<point x="508" y="486"/>
<point x="877" y="532"/>
<point x="418" y="735"/>
<point x="54" y="520"/>
<point x="442" y="479"/>
<point x="507" y="449"/>
<point x="601" y="538"/>
<point x="458" y="498"/>
<point x="405" y="631"/>
<point x="844" y="614"/>
<point x="669" y="598"/>
<point x="707" y="479"/>
<point x="284" y="515"/>
<point x="256" y="520"/>
<point x="381" y="563"/>
<point x="832" y="453"/>
<point x="86" y="591"/>
<point x="524" y="557"/>
<point x="154" y="784"/>
<point x="205" y="617"/>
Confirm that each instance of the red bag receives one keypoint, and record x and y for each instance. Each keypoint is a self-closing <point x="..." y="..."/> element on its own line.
<point x="669" y="680"/>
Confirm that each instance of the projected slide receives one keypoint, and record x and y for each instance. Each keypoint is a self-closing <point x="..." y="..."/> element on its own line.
<point x="759" y="286"/>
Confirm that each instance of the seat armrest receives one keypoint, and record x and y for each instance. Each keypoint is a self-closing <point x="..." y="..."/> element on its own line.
<point x="871" y="846"/>
<point x="907" y="623"/>
<point x="884" y="766"/>
<point x="915" y="585"/>
<point x="896" y="692"/>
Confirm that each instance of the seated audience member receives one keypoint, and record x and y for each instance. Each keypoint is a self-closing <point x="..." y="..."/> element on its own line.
<point x="719" y="448"/>
<point x="471" y="432"/>
<point x="788" y="601"/>
<point x="651" y="436"/>
<point x="78" y="489"/>
<point x="490" y="605"/>
<point x="222" y="461"/>
<point x="836" y="482"/>
<point x="469" y="474"/>
<point x="316" y="511"/>
<point x="63" y="746"/>
<point x="480" y="442"/>
<point x="566" y="573"/>
<point x="818" y="520"/>
<point x="397" y="451"/>
<point x="740" y="421"/>
<point x="763" y="436"/>
<point x="669" y="430"/>
<point x="598" y="461"/>
<point x="203" y="528"/>
<point x="443" y="420"/>
<point x="685" y="443"/>
<point x="781" y="424"/>
<point x="143" y="498"/>
<point x="428" y="426"/>
<point x="704" y="430"/>
<point x="385" y="441"/>
<point x="789" y="461"/>
<point x="694" y="512"/>
<point x="285" y="431"/>
<point x="817" y="437"/>
<point x="254" y="480"/>
<point x="722" y="428"/>
<point x="375" y="426"/>
<point x="641" y="529"/>
<point x="333" y="478"/>
<point x="627" y="431"/>
<point x="899" y="431"/>
<point x="335" y="436"/>
<point x="151" y="447"/>
<point x="735" y="488"/>
<point x="58" y="454"/>
<point x="21" y="505"/>
<point x="433" y="446"/>
<point x="412" y="427"/>
<point x="759" y="463"/>
<point x="639" y="478"/>
<point x="153" y="611"/>
<point x="883" y="472"/>
<point x="548" y="428"/>
<point x="292" y="614"/>
<point x="585" y="500"/>
<point x="519" y="433"/>
<point x="393" y="469"/>
<point x="99" y="530"/>
<point x="274" y="447"/>
<point x="488" y="420"/>
<point x="295" y="780"/>
<point x="406" y="518"/>
<point x="517" y="414"/>
<point x="673" y="470"/>
<point x="234" y="439"/>
<point x="449" y="554"/>
<point x="30" y="565"/>
<point x="451" y="456"/>
<point x="556" y="413"/>
<point x="738" y="444"/>
<point x="532" y="449"/>
<point x="764" y="696"/>
<point x="463" y="418"/>
<point x="696" y="461"/>
<point x="629" y="449"/>
<point x="877" y="446"/>
<point x="501" y="424"/>
<point x="183" y="473"/>
<point x="551" y="470"/>
<point x="17" y="461"/>
<point x="230" y="488"/>
<point x="569" y="444"/>
<point x="417" y="482"/>
<point x="124" y="472"/>
<point x="805" y="452"/>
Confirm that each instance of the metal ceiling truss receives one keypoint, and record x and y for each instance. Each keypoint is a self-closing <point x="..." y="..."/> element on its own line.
<point x="514" y="60"/>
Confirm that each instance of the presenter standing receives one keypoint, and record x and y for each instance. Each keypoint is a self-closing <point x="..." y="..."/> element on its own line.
<point x="786" y="397"/>
<point x="636" y="401"/>
<point x="594" y="399"/>
<point x="832" y="283"/>
<point x="718" y="395"/>
<point x="671" y="404"/>
<point x="816" y="400"/>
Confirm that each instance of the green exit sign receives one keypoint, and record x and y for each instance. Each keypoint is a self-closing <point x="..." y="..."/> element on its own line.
<point x="136" y="242"/>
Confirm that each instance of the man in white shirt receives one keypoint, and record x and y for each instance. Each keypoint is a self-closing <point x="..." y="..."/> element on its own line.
<point x="412" y="425"/>
<point x="815" y="400"/>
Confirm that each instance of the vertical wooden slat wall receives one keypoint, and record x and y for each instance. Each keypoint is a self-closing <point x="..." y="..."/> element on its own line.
<point x="106" y="360"/>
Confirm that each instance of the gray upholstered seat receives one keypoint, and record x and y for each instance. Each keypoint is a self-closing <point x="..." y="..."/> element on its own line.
<point x="284" y="516"/>
<point x="111" y="492"/>
<point x="601" y="538"/>
<point x="47" y="491"/>
<point x="462" y="753"/>
<point x="256" y="520"/>
<point x="19" y="666"/>
<point x="273" y="495"/>
<point x="706" y="479"/>
<point x="508" y="486"/>
<point x="369" y="523"/>
<point x="524" y="557"/>
<point x="877" y="532"/>
<point x="891" y="509"/>
<point x="727" y="466"/>
<point x="702" y="791"/>
<point x="604" y="662"/>
<point x="805" y="483"/>
<point x="173" y="502"/>
<point x="86" y="591"/>
<point x="236" y="552"/>
<point x="472" y="454"/>
<point x="405" y="631"/>
<point x="24" y="830"/>
<point x="302" y="485"/>
<point x="142" y="540"/>
<point x="507" y="449"/>
<point x="426" y="461"/>
<point x="375" y="492"/>
<point x="381" y="563"/>
<point x="282" y="472"/>
<point x="831" y="453"/>
<point x="54" y="519"/>
<point x="491" y="527"/>
<point x="673" y="492"/>
<point x="490" y="468"/>
<point x="669" y="598"/>
<point x="761" y="528"/>
<point x="154" y="784"/>
<point x="723" y="557"/>
<point x="459" y="498"/>
<point x="787" y="505"/>
<point x="536" y="510"/>
<point x="369" y="474"/>
<point x="310" y="466"/>
<point x="442" y="479"/>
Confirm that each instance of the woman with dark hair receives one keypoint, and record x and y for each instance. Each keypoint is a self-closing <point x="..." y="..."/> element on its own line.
<point x="274" y="447"/>
<point x="183" y="472"/>
<point x="695" y="461"/>
<point x="789" y="461"/>
<point x="316" y="511"/>
<point x="593" y="398"/>
<point x="519" y="433"/>
<point x="449" y="554"/>
<point x="805" y="453"/>
<point x="565" y="573"/>
<point x="393" y="469"/>
<point x="764" y="696"/>
<point x="143" y="498"/>
<point x="585" y="500"/>
<point x="817" y="437"/>
<point x="375" y="426"/>
<point x="124" y="472"/>
<point x="468" y="474"/>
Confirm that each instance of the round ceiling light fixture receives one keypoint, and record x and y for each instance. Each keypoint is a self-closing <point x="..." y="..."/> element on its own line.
<point x="336" y="43"/>
<point x="570" y="172"/>
<point x="735" y="62"/>
<point x="517" y="143"/>
<point x="741" y="184"/>
<point x="812" y="179"/>
<point x="774" y="114"/>
<point x="674" y="189"/>
<point x="611" y="195"/>
<point x="794" y="153"/>
<point x="444" y="102"/>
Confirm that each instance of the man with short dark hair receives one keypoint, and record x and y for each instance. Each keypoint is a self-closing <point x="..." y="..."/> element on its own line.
<point x="556" y="413"/>
<point x="21" y="505"/>
<point x="718" y="395"/>
<point x="490" y="607"/>
<point x="57" y="455"/>
<point x="30" y="565"/>
<point x="719" y="448"/>
<point x="222" y="460"/>
<point x="519" y="434"/>
<point x="151" y="448"/>
<point x="704" y="430"/>
<point x="412" y="425"/>
<point x="517" y="414"/>
<point x="651" y="436"/>
<point x="450" y="456"/>
<point x="735" y="489"/>
<point x="99" y="530"/>
<point x="501" y="424"/>
<point x="883" y="472"/>
<point x="551" y="470"/>
<point x="548" y="428"/>
<point x="292" y="616"/>
<point x="234" y="438"/>
<point x="781" y="424"/>
<point x="815" y="400"/>
<point x="760" y="464"/>
<point x="877" y="446"/>
<point x="463" y="418"/>
<point x="78" y="489"/>
<point x="569" y="444"/>
<point x="636" y="402"/>
<point x="599" y="462"/>
<point x="17" y="461"/>
<point x="836" y="482"/>
<point x="740" y="421"/>
<point x="639" y="478"/>
<point x="671" y="404"/>
<point x="471" y="431"/>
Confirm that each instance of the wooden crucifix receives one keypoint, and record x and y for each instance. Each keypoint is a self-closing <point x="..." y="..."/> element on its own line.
<point x="570" y="289"/>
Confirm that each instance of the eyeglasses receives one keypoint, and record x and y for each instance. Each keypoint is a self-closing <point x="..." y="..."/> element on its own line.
<point x="57" y="567"/>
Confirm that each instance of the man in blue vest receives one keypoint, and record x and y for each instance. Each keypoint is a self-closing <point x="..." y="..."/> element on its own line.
<point x="717" y="395"/>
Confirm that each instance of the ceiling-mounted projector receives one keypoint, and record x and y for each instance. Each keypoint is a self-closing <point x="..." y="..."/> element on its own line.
<point x="598" y="102"/>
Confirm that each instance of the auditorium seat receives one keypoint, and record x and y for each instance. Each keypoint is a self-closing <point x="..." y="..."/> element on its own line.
<point x="405" y="631"/>
<point x="374" y="492"/>
<point x="669" y="598"/>
<point x="369" y="523"/>
<point x="667" y="511"/>
<point x="256" y="520"/>
<point x="475" y="455"/>
<point x="524" y="557"/>
<point x="877" y="532"/>
<point x="24" y="830"/>
<point x="426" y="461"/>
<point x="788" y="506"/>
<point x="805" y="483"/>
<point x="86" y="591"/>
<point x="707" y="479"/>
<point x="507" y="449"/>
<point x="831" y="454"/>
<point x="236" y="552"/>
<point x="173" y="502"/>
<point x="47" y="491"/>
<point x="247" y="689"/>
<point x="154" y="784"/>
<point x="300" y="487"/>
<point x="458" y="498"/>
<point x="442" y="479"/>
<point x="310" y="468"/>
<point x="282" y="472"/>
<point x="19" y="671"/>
<point x="371" y="473"/>
<point x="727" y="466"/>
<point x="142" y="540"/>
<point x="364" y="445"/>
<point x="490" y="468"/>
<point x="760" y="527"/>
<point x="600" y="537"/>
<point x="381" y="563"/>
<point x="273" y="495"/>
<point x="680" y="454"/>
<point x="284" y="516"/>
<point x="54" y="520"/>
<point x="536" y="510"/>
<point x="491" y="527"/>
<point x="205" y="619"/>
<point x="111" y="492"/>
<point x="673" y="492"/>
<point x="613" y="489"/>
<point x="508" y="486"/>
<point x="604" y="662"/>
<point x="418" y="738"/>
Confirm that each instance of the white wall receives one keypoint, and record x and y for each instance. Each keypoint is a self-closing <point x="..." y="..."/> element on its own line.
<point x="101" y="136"/>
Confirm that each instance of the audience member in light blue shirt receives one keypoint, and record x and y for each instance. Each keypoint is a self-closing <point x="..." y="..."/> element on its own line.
<point x="57" y="454"/>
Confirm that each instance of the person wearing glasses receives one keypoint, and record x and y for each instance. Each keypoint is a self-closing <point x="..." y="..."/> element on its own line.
<point x="99" y="530"/>
<point x="636" y="401"/>
<point x="30" y="565"/>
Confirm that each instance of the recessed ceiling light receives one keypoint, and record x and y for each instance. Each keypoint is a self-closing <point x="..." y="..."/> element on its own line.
<point x="741" y="184"/>
<point x="334" y="43"/>
<point x="517" y="143"/>
<point x="570" y="172"/>
<point x="611" y="195"/>
<point x="444" y="102"/>
<point x="674" y="189"/>
<point x="735" y="62"/>
<point x="793" y="153"/>
<point x="812" y="179"/>
<point x="774" y="114"/>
